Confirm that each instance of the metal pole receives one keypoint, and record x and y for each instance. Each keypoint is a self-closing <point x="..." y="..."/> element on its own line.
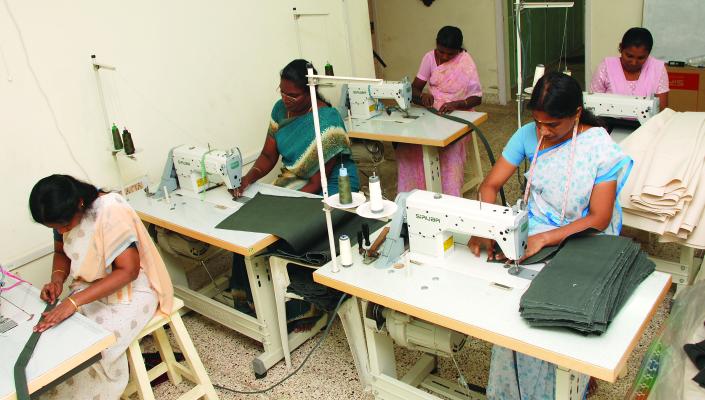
<point x="520" y="83"/>
<point x="322" y="169"/>
<point x="96" y="69"/>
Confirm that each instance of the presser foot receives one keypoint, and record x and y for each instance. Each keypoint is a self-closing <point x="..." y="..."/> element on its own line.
<point x="514" y="269"/>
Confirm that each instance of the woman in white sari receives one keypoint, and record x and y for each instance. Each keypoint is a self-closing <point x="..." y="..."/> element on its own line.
<point x="575" y="177"/>
<point x="118" y="278"/>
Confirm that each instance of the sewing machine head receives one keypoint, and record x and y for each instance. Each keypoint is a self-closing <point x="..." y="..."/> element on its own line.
<point x="364" y="98"/>
<point x="432" y="220"/>
<point x="619" y="106"/>
<point x="197" y="169"/>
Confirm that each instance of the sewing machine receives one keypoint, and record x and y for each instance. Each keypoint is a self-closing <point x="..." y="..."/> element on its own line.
<point x="630" y="108"/>
<point x="433" y="218"/>
<point x="619" y="106"/>
<point x="197" y="169"/>
<point x="364" y="98"/>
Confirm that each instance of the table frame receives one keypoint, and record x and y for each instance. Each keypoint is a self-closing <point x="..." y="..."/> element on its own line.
<point x="263" y="328"/>
<point x="65" y="368"/>
<point x="373" y="350"/>
<point x="430" y="147"/>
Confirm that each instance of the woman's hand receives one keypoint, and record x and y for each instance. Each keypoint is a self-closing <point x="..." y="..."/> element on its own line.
<point x="427" y="99"/>
<point x="54" y="317"/>
<point x="244" y="183"/>
<point x="451" y="106"/>
<point x="534" y="245"/>
<point x="476" y="244"/>
<point x="51" y="291"/>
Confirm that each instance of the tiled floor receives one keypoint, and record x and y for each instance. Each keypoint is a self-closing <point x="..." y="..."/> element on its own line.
<point x="330" y="372"/>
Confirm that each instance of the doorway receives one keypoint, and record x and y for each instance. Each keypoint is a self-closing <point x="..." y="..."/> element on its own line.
<point x="554" y="37"/>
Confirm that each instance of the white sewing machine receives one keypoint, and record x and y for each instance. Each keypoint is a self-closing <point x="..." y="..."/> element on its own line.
<point x="197" y="169"/>
<point x="639" y="108"/>
<point x="364" y="98"/>
<point x="433" y="218"/>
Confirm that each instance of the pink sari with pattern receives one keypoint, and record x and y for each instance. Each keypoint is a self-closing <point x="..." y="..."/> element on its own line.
<point x="454" y="80"/>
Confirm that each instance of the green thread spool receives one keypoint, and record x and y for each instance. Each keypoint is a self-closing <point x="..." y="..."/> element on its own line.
<point x="129" y="144"/>
<point x="117" y="142"/>
<point x="344" y="192"/>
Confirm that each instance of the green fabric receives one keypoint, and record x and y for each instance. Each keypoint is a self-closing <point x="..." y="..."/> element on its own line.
<point x="299" y="222"/>
<point x="586" y="283"/>
<point x="296" y="143"/>
<point x="23" y="359"/>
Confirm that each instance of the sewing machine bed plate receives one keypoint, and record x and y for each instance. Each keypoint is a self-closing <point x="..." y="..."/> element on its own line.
<point x="59" y="349"/>
<point x="427" y="129"/>
<point x="468" y="302"/>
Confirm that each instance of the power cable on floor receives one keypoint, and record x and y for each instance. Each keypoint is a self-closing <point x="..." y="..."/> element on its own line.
<point x="318" y="344"/>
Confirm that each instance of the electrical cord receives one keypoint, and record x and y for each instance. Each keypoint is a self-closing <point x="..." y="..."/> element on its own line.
<point x="315" y="347"/>
<point x="462" y="381"/>
<point x="42" y="92"/>
<point x="482" y="137"/>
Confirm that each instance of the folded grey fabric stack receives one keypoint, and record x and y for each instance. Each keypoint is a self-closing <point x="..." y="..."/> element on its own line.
<point x="585" y="283"/>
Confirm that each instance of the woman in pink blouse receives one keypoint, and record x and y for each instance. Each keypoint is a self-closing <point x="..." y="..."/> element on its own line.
<point x="634" y="72"/>
<point x="453" y="85"/>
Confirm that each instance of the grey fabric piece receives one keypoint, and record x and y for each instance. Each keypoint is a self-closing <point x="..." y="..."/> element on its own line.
<point x="20" y="374"/>
<point x="586" y="283"/>
<point x="299" y="222"/>
<point x="543" y="255"/>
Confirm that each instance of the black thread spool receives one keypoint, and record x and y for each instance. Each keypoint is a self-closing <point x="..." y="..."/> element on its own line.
<point x="128" y="143"/>
<point x="117" y="142"/>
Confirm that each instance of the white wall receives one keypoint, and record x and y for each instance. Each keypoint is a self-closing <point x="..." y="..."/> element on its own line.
<point x="406" y="30"/>
<point x="187" y="72"/>
<point x="606" y="22"/>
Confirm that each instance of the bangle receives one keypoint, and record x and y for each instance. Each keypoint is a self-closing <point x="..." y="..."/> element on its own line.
<point x="73" y="302"/>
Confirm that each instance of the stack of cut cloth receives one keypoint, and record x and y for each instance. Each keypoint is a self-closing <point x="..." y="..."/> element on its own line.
<point x="585" y="284"/>
<point x="665" y="192"/>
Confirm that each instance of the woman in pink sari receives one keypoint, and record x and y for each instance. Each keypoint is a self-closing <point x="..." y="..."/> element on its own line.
<point x="634" y="72"/>
<point x="453" y="85"/>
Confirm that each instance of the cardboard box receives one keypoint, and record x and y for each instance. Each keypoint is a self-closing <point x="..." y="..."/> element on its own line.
<point x="687" y="88"/>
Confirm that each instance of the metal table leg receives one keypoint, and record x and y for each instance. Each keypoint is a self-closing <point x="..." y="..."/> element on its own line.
<point x="570" y="385"/>
<point x="473" y="168"/>
<point x="351" y="320"/>
<point x="263" y="296"/>
<point x="432" y="169"/>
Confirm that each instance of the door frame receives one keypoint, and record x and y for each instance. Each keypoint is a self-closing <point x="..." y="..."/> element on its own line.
<point x="502" y="55"/>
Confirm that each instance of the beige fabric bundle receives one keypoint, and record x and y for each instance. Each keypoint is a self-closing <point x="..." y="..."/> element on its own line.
<point x="665" y="192"/>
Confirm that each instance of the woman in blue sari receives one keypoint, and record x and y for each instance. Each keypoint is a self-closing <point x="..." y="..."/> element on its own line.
<point x="291" y="135"/>
<point x="576" y="174"/>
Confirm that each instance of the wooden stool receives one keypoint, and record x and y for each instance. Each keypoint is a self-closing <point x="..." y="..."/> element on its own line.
<point x="140" y="378"/>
